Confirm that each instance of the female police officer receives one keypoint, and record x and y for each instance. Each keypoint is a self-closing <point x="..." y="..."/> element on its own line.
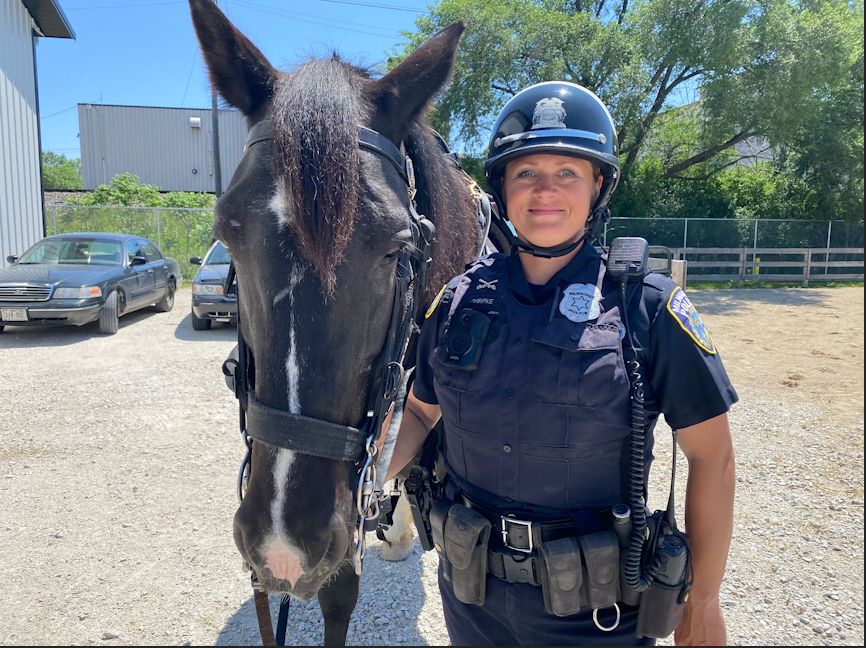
<point x="524" y="358"/>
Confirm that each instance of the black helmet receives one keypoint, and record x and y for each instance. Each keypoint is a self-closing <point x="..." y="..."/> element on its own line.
<point x="556" y="117"/>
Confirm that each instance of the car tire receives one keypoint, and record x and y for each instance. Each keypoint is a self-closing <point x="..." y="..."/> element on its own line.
<point x="1" y="328"/>
<point x="200" y="324"/>
<point x="109" y="315"/>
<point x="167" y="302"/>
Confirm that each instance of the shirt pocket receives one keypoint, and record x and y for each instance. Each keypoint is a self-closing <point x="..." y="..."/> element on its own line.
<point x="575" y="364"/>
<point x="588" y="476"/>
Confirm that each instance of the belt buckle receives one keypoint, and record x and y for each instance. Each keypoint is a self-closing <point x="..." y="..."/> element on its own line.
<point x="510" y="519"/>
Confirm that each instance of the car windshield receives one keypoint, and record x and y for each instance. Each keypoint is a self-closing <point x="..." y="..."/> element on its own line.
<point x="219" y="255"/>
<point x="79" y="251"/>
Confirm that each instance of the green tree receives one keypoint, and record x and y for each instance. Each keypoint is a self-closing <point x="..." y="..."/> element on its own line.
<point x="763" y="69"/>
<point x="126" y="190"/>
<point x="60" y="172"/>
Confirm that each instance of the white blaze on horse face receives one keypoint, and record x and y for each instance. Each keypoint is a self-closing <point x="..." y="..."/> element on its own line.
<point x="281" y="557"/>
<point x="279" y="205"/>
<point x="293" y="368"/>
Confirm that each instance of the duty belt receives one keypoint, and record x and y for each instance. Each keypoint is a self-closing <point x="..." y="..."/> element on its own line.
<point x="524" y="536"/>
<point x="514" y="556"/>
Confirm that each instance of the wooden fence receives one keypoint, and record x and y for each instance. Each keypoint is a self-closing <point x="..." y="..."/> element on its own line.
<point x="771" y="264"/>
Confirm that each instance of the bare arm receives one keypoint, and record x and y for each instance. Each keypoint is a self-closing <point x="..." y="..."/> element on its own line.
<point x="418" y="419"/>
<point x="709" y="523"/>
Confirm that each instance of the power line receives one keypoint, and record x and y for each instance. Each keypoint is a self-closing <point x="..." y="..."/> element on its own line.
<point x="60" y="112"/>
<point x="376" y="6"/>
<point x="287" y="14"/>
<point x="124" y="6"/>
<point x="314" y="22"/>
<point x="189" y="76"/>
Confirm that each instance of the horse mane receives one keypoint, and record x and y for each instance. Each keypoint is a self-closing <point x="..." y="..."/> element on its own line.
<point x="316" y="112"/>
<point x="445" y="198"/>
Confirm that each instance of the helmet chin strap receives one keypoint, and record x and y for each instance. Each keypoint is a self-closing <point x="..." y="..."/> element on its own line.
<point x="553" y="251"/>
<point x="546" y="252"/>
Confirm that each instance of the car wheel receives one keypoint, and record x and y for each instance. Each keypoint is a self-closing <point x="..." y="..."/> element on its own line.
<point x="1" y="328"/>
<point x="200" y="324"/>
<point x="108" y="316"/>
<point x="167" y="302"/>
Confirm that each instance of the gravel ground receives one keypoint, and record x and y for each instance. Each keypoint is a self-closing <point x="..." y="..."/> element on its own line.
<point x="118" y="457"/>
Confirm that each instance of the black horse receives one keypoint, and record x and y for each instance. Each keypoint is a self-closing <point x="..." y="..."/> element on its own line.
<point x="316" y="225"/>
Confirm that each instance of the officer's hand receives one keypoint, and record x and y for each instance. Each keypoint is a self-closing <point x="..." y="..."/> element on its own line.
<point x="702" y="624"/>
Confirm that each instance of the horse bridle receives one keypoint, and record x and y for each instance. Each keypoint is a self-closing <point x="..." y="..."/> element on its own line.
<point x="319" y="437"/>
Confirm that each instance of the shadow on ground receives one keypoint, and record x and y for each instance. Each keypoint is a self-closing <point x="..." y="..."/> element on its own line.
<point x="22" y="337"/>
<point x="387" y="612"/>
<point x="728" y="301"/>
<point x="218" y="331"/>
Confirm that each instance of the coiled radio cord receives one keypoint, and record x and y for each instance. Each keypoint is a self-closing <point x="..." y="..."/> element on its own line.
<point x="635" y="578"/>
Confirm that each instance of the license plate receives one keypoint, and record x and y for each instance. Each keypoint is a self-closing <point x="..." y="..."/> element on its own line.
<point x="13" y="314"/>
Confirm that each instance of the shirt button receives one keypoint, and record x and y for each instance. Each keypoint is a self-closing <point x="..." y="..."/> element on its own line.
<point x="575" y="337"/>
<point x="509" y="393"/>
<point x="506" y="448"/>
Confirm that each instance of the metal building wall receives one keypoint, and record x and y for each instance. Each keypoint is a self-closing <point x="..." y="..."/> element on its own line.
<point x="159" y="145"/>
<point x="20" y="190"/>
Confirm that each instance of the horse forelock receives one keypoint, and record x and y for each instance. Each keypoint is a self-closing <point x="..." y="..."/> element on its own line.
<point x="316" y="112"/>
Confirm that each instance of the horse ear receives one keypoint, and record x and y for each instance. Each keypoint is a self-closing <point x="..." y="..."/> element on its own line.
<point x="238" y="70"/>
<point x="402" y="95"/>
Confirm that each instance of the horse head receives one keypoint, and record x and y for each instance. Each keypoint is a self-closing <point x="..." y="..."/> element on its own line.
<point x="315" y="225"/>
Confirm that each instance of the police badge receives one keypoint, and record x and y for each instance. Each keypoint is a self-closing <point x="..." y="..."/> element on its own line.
<point x="549" y="113"/>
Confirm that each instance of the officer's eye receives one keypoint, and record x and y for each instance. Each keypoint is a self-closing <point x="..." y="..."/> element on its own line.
<point x="525" y="173"/>
<point x="568" y="173"/>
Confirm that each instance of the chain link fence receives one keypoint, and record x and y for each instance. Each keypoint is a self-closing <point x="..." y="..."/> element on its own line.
<point x="737" y="233"/>
<point x="182" y="233"/>
<point x="178" y="232"/>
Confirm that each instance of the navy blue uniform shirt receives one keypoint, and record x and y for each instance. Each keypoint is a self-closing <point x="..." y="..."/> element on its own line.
<point x="544" y="419"/>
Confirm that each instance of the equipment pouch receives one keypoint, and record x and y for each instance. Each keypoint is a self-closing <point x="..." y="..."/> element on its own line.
<point x="466" y="536"/>
<point x="660" y="610"/>
<point x="601" y="568"/>
<point x="561" y="576"/>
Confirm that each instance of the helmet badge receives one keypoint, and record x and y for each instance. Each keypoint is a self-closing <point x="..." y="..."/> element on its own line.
<point x="549" y="113"/>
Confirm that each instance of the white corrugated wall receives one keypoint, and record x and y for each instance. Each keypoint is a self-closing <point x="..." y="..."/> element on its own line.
<point x="20" y="191"/>
<point x="159" y="145"/>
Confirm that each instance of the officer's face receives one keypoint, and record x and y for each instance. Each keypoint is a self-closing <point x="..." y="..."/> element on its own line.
<point x="548" y="197"/>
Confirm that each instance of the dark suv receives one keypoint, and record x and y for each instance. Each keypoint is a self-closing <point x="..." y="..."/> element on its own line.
<point x="208" y="301"/>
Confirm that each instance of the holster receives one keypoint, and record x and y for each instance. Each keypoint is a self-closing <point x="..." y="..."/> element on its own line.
<point x="466" y="536"/>
<point x="660" y="610"/>
<point x="663" y="602"/>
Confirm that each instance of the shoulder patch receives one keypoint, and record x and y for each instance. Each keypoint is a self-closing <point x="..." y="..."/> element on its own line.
<point x="435" y="302"/>
<point x="683" y="311"/>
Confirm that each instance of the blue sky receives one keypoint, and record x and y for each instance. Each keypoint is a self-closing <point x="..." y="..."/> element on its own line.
<point x="144" y="52"/>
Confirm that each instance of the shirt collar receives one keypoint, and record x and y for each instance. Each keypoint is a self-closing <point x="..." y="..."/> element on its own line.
<point x="583" y="268"/>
